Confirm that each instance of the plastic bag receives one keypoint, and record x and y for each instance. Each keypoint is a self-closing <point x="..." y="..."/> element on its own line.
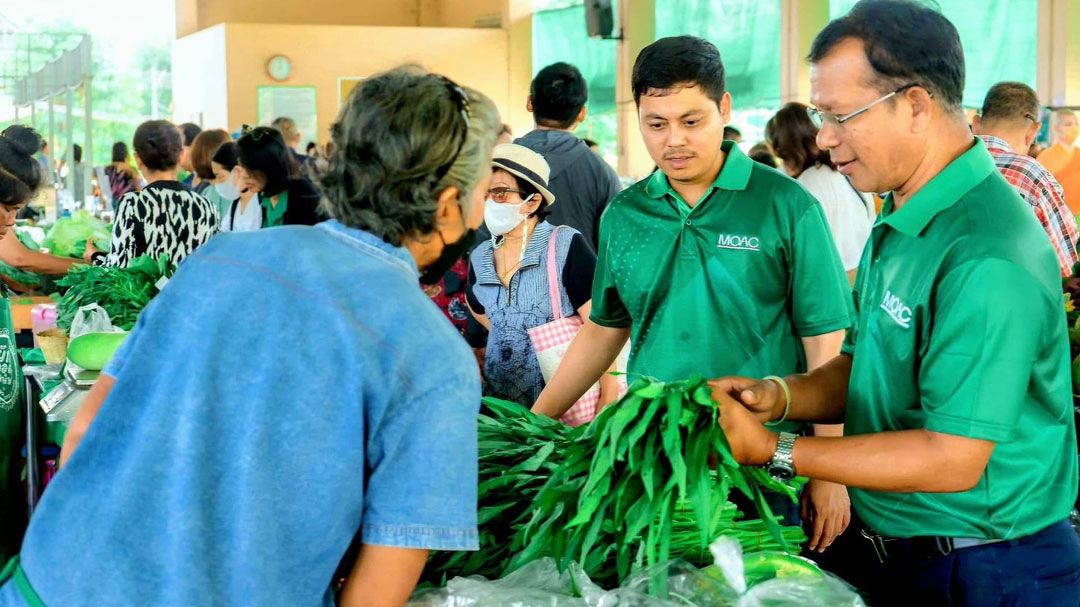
<point x="90" y="319"/>
<point x="825" y="591"/>
<point x="680" y="583"/>
<point x="68" y="232"/>
<point x="777" y="579"/>
<point x="538" y="584"/>
<point x="774" y="580"/>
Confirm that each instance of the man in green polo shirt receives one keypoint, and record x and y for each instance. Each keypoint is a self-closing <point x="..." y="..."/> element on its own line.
<point x="713" y="265"/>
<point x="960" y="447"/>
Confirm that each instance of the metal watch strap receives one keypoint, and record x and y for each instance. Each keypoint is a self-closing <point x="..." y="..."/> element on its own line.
<point x="783" y="463"/>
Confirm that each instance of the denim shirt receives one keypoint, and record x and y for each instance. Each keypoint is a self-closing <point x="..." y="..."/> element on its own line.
<point x="511" y="370"/>
<point x="235" y="460"/>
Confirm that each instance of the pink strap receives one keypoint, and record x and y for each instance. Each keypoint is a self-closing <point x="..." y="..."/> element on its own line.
<point x="553" y="275"/>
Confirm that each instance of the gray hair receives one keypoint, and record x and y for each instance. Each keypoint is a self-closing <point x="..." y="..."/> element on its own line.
<point x="287" y="126"/>
<point x="400" y="140"/>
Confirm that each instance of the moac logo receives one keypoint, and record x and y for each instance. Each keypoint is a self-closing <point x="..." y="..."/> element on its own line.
<point x="742" y="243"/>
<point x="896" y="309"/>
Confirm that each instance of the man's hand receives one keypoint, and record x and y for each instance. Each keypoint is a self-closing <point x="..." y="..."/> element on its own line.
<point x="751" y="444"/>
<point x="763" y="398"/>
<point x="827" y="509"/>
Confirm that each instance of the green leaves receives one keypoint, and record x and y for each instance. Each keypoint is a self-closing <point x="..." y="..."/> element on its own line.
<point x="122" y="292"/>
<point x="645" y="482"/>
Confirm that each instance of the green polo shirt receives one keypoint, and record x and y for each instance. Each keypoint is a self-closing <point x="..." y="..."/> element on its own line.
<point x="726" y="288"/>
<point x="961" y="331"/>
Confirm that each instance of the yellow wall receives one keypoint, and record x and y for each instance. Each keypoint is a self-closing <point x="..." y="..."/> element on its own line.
<point x="321" y="54"/>
<point x="194" y="15"/>
<point x="199" y="14"/>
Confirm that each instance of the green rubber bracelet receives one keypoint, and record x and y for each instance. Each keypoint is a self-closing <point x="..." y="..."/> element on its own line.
<point x="780" y="381"/>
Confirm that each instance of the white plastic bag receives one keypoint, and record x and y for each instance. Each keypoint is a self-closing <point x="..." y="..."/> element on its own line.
<point x="90" y="319"/>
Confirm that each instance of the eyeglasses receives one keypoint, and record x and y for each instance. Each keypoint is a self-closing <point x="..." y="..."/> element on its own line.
<point x="458" y="95"/>
<point x="502" y="194"/>
<point x="820" y="118"/>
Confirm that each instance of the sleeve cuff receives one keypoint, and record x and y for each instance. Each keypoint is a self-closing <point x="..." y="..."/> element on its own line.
<point x="821" y="328"/>
<point x="957" y="426"/>
<point x="609" y="323"/>
<point x="421" y="537"/>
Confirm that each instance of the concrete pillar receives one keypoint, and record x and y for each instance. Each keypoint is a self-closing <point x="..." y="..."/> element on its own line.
<point x="1058" y="78"/>
<point x="70" y="183"/>
<point x="637" y="20"/>
<point x="517" y="20"/>
<point x="801" y="20"/>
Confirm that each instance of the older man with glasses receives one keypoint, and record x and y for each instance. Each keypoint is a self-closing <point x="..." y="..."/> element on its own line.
<point x="954" y="383"/>
<point x="1007" y="122"/>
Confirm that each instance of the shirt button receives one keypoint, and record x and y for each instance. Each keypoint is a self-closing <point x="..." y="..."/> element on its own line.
<point x="689" y="222"/>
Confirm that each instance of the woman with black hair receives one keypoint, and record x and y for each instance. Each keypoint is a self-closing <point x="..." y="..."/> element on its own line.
<point x="509" y="276"/>
<point x="267" y="167"/>
<point x="122" y="176"/>
<point x="166" y="217"/>
<point x="20" y="177"/>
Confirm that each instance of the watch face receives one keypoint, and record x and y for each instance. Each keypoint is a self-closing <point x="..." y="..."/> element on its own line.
<point x="781" y="473"/>
<point x="280" y="68"/>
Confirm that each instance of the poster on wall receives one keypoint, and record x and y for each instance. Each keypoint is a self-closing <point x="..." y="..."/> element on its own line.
<point x="296" y="102"/>
<point x="345" y="88"/>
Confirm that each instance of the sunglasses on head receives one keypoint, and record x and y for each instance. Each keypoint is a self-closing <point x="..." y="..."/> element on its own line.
<point x="256" y="133"/>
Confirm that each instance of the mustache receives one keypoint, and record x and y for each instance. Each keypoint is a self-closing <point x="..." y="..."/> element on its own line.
<point x="674" y="153"/>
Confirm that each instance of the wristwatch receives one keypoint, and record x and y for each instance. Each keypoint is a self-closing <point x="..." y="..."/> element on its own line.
<point x="782" y="465"/>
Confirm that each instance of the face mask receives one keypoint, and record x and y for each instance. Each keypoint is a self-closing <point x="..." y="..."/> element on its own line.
<point x="501" y="218"/>
<point x="450" y="255"/>
<point x="227" y="189"/>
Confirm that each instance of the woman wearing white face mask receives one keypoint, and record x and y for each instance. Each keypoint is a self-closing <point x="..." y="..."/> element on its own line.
<point x="511" y="279"/>
<point x="240" y="211"/>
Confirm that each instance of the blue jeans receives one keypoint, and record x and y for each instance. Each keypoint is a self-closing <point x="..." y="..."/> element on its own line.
<point x="1040" y="570"/>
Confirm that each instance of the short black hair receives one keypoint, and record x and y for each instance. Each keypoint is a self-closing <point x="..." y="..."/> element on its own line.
<point x="158" y="144"/>
<point x="679" y="60"/>
<point x="760" y="153"/>
<point x="190" y="131"/>
<point x="558" y="93"/>
<point x="730" y="131"/>
<point x="76" y="152"/>
<point x="263" y="151"/>
<point x="226" y="155"/>
<point x="1010" y="102"/>
<point x="905" y="43"/>
<point x="119" y="152"/>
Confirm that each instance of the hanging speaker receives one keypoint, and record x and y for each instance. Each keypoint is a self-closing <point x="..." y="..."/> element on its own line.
<point x="599" y="18"/>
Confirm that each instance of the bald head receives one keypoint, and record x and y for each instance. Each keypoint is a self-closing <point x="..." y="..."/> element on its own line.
<point x="1066" y="127"/>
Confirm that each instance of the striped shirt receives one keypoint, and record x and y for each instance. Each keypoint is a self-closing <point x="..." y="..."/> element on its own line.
<point x="1043" y="192"/>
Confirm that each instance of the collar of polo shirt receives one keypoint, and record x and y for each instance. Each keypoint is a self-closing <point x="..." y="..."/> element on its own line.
<point x="734" y="175"/>
<point x="941" y="192"/>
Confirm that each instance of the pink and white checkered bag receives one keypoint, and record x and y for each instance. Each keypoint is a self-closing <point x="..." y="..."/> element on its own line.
<point x="551" y="341"/>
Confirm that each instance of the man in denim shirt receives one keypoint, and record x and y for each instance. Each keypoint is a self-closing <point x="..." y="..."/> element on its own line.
<point x="232" y="462"/>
